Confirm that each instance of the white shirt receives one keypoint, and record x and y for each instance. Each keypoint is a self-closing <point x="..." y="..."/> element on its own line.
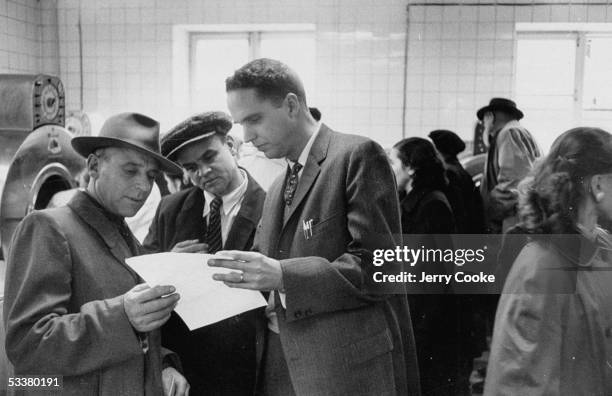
<point x="232" y="202"/>
<point x="305" y="153"/>
<point x="272" y="319"/>
<point x="140" y="222"/>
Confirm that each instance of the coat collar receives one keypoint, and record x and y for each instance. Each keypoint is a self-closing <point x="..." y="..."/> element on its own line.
<point x="248" y="210"/>
<point x="190" y="214"/>
<point x="247" y="218"/>
<point x="318" y="153"/>
<point x="578" y="249"/>
<point x="410" y="201"/>
<point x="94" y="216"/>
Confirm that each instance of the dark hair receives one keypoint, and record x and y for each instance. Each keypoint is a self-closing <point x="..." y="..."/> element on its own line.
<point x="550" y="197"/>
<point x="270" y="78"/>
<point x="421" y="155"/>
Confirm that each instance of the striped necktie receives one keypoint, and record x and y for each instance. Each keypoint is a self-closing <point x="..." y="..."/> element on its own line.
<point x="213" y="231"/>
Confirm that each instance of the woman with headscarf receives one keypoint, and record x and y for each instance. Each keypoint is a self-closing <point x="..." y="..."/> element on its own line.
<point x="421" y="180"/>
<point x="463" y="193"/>
<point x="553" y="327"/>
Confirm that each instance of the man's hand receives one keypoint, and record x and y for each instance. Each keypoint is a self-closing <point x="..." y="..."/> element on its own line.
<point x="174" y="383"/>
<point x="258" y="272"/>
<point x="190" y="246"/>
<point x="146" y="308"/>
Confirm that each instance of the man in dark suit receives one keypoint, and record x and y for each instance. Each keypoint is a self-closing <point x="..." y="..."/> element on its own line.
<point x="326" y="332"/>
<point x="73" y="307"/>
<point x="221" y="210"/>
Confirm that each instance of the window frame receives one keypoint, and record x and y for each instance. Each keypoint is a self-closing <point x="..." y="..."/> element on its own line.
<point x="581" y="33"/>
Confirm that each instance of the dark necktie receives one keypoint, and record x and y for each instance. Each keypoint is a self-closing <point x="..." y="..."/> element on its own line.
<point x="127" y="235"/>
<point x="292" y="183"/>
<point x="213" y="232"/>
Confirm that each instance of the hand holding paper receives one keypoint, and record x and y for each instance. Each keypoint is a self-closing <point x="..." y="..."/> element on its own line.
<point x="148" y="308"/>
<point x="255" y="271"/>
<point x="203" y="300"/>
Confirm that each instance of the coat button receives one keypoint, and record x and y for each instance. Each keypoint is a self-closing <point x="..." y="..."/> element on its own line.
<point x="297" y="314"/>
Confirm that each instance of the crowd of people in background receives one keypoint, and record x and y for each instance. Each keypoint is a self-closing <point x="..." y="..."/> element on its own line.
<point x="305" y="241"/>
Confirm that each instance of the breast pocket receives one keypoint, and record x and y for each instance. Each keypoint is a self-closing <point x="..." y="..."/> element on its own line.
<point x="319" y="228"/>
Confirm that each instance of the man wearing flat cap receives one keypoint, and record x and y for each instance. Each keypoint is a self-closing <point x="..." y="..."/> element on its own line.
<point x="221" y="211"/>
<point x="512" y="152"/>
<point x="73" y="308"/>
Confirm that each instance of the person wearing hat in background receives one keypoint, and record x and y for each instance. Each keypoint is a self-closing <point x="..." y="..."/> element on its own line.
<point x="449" y="145"/>
<point x="73" y="307"/>
<point x="512" y="152"/>
<point x="221" y="211"/>
<point x="472" y="309"/>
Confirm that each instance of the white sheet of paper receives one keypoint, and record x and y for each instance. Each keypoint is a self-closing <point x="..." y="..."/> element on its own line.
<point x="203" y="300"/>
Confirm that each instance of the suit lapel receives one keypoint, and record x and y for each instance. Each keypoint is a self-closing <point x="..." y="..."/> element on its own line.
<point x="246" y="219"/>
<point x="317" y="154"/>
<point x="273" y="216"/>
<point x="189" y="222"/>
<point x="109" y="233"/>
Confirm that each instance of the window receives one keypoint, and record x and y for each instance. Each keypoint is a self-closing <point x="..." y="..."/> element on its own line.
<point x="598" y="73"/>
<point x="215" y="55"/>
<point x="562" y="78"/>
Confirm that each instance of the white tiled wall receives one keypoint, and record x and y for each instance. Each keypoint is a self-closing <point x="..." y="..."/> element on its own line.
<point x="28" y="36"/>
<point x="127" y="55"/>
<point x="460" y="54"/>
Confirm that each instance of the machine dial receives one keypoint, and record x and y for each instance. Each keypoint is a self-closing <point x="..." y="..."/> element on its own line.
<point x="49" y="102"/>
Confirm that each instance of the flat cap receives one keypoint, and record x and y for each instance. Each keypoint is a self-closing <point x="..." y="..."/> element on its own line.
<point x="194" y="129"/>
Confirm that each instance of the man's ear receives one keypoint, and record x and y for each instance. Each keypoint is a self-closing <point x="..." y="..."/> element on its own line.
<point x="229" y="140"/>
<point x="597" y="188"/>
<point x="93" y="166"/>
<point x="231" y="143"/>
<point x="293" y="104"/>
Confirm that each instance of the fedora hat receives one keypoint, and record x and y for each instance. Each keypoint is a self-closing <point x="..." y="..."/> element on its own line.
<point x="194" y="129"/>
<point x="127" y="130"/>
<point x="503" y="104"/>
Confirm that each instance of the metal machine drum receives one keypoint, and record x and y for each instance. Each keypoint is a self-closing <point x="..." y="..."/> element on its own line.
<point x="36" y="158"/>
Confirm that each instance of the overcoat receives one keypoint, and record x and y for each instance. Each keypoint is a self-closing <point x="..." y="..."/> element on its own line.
<point x="63" y="312"/>
<point x="553" y="327"/>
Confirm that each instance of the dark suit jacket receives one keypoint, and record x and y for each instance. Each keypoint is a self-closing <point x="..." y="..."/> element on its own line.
<point x="218" y="359"/>
<point x="337" y="337"/>
<point x="66" y="276"/>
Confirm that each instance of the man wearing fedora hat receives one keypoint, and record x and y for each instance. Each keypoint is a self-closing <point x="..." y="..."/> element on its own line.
<point x="220" y="211"/>
<point x="73" y="307"/>
<point x="512" y="152"/>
